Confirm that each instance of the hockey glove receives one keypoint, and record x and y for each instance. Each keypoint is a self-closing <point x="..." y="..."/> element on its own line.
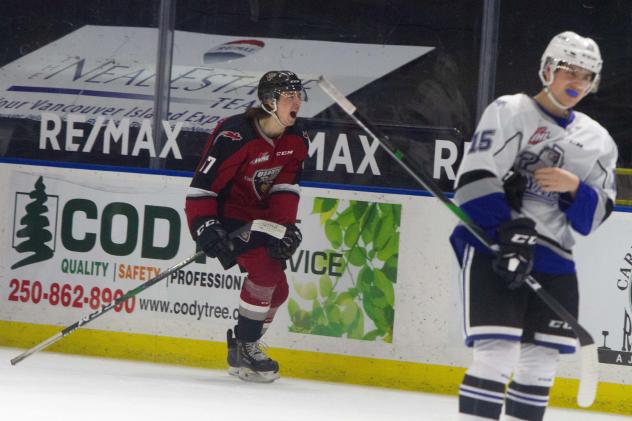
<point x="213" y="239"/>
<point x="514" y="184"/>
<point x="514" y="261"/>
<point x="284" y="248"/>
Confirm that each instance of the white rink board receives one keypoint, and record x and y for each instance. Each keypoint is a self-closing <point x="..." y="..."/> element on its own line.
<point x="426" y="322"/>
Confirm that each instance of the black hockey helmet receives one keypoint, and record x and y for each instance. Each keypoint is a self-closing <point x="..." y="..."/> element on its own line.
<point x="274" y="82"/>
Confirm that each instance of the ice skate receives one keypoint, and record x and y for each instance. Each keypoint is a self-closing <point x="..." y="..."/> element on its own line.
<point x="254" y="364"/>
<point x="232" y="357"/>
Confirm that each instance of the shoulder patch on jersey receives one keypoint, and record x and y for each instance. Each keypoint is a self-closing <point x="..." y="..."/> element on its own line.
<point x="230" y="135"/>
<point x="262" y="157"/>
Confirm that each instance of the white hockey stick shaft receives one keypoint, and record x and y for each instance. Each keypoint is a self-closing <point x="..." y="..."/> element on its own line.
<point x="270" y="228"/>
<point x="589" y="376"/>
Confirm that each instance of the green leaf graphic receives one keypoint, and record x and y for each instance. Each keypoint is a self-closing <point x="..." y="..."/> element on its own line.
<point x="307" y="290"/>
<point x="352" y="234"/>
<point x="359" y="293"/>
<point x="333" y="232"/>
<point x="326" y="286"/>
<point x="390" y="249"/>
<point x="385" y="285"/>
<point x="349" y="312"/>
<point x="383" y="232"/>
<point x="356" y="256"/>
<point x="365" y="279"/>
<point x="347" y="217"/>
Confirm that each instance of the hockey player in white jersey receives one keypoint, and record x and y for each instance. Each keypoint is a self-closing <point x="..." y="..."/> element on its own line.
<point x="535" y="171"/>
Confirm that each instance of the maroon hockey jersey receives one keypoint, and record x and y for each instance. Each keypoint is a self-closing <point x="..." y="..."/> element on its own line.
<point x="244" y="175"/>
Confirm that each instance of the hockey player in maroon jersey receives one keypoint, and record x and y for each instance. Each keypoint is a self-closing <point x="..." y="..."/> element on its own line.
<point x="250" y="170"/>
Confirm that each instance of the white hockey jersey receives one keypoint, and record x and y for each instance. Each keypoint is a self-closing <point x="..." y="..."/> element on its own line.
<point x="516" y="134"/>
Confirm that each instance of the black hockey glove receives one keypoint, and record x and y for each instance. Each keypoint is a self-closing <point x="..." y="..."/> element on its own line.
<point x="284" y="248"/>
<point x="514" y="261"/>
<point x="213" y="239"/>
<point x="514" y="184"/>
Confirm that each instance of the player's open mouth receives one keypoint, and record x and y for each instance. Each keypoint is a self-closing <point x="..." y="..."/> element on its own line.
<point x="293" y="114"/>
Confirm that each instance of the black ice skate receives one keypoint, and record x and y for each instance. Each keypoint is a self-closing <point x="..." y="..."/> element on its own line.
<point x="232" y="358"/>
<point x="254" y="364"/>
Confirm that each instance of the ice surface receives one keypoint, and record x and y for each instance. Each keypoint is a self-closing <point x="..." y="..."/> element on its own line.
<point x="48" y="386"/>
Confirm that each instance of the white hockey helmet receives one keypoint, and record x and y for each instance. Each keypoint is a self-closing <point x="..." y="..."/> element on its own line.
<point x="571" y="48"/>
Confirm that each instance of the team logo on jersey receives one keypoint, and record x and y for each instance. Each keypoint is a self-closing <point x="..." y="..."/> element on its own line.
<point x="264" y="157"/>
<point x="234" y="136"/>
<point x="232" y="50"/>
<point x="263" y="180"/>
<point x="540" y="135"/>
<point x="529" y="162"/>
<point x="546" y="157"/>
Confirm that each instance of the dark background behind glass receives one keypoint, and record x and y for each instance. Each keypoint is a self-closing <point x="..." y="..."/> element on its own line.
<point x="438" y="89"/>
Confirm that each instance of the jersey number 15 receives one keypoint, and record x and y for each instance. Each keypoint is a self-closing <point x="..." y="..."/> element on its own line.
<point x="481" y="141"/>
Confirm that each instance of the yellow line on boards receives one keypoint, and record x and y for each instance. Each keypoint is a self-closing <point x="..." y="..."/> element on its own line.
<point x="611" y="397"/>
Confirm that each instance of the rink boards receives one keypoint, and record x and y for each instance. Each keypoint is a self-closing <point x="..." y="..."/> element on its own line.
<point x="373" y="298"/>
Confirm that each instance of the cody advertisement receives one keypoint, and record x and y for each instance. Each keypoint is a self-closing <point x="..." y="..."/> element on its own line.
<point x="73" y="247"/>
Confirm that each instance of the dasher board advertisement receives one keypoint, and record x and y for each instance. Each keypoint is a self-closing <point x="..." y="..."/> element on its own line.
<point x="77" y="240"/>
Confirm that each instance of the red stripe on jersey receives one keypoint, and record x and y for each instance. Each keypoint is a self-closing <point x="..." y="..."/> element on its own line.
<point x="199" y="208"/>
<point x="284" y="207"/>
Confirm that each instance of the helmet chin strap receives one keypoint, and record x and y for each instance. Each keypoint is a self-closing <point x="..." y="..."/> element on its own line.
<point x="555" y="102"/>
<point x="551" y="97"/>
<point x="549" y="94"/>
<point x="273" y="112"/>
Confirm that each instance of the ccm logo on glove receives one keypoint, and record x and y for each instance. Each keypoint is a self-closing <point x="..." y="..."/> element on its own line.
<point x="524" y="239"/>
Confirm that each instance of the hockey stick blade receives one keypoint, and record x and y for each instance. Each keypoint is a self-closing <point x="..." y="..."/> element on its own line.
<point x="589" y="376"/>
<point x="588" y="352"/>
<point x="271" y="228"/>
<point x="588" y="355"/>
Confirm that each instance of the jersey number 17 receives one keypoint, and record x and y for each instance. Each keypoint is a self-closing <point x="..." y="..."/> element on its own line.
<point x="208" y="164"/>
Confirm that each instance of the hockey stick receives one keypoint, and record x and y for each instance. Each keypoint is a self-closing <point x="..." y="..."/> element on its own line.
<point x="270" y="228"/>
<point x="589" y="375"/>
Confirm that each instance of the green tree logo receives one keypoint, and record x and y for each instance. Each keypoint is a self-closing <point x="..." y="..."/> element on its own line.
<point x="367" y="235"/>
<point x="34" y="224"/>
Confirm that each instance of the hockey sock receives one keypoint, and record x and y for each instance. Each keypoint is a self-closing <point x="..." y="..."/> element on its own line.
<point x="268" y="321"/>
<point x="526" y="402"/>
<point x="528" y="393"/>
<point x="481" y="398"/>
<point x="248" y="330"/>
<point x="482" y="392"/>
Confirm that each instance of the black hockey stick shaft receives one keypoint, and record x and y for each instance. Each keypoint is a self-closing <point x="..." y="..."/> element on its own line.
<point x="258" y="225"/>
<point x="590" y="371"/>
<point x="419" y="174"/>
